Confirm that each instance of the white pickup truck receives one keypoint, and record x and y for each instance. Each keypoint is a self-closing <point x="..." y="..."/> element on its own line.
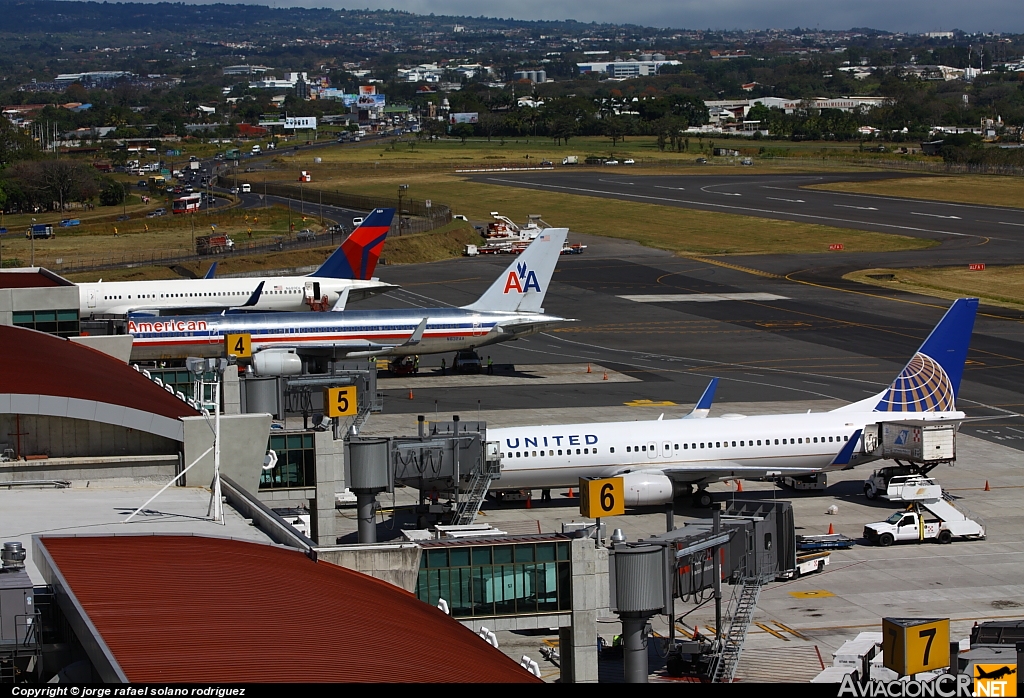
<point x="930" y="517"/>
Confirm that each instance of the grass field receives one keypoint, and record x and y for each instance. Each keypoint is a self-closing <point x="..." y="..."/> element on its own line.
<point x="665" y="227"/>
<point x="988" y="190"/>
<point x="442" y="243"/>
<point x="140" y="239"/>
<point x="1001" y="286"/>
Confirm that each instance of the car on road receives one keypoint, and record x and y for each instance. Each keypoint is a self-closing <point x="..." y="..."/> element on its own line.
<point x="466" y="361"/>
<point x="356" y="222"/>
<point x="305" y="235"/>
<point x="141" y="184"/>
<point x="234" y="190"/>
<point x="702" y="161"/>
<point x="629" y="161"/>
<point x="746" y="161"/>
<point x="124" y="217"/>
<point x="611" y="162"/>
<point x="156" y="213"/>
<point x="546" y="163"/>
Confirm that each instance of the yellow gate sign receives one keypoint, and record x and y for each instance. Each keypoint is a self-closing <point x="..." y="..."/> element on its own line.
<point x="913" y="645"/>
<point x="238" y="346"/>
<point x="602" y="497"/>
<point x="340" y="402"/>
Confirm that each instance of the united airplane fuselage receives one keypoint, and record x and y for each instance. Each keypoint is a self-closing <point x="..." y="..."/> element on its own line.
<point x="715" y="449"/>
<point x="448" y="329"/>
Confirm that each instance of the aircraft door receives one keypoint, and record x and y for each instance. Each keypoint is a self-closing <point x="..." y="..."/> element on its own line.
<point x="92" y="299"/>
<point x="652" y="451"/>
<point x="312" y="290"/>
<point x="666" y="450"/>
<point x="478" y="331"/>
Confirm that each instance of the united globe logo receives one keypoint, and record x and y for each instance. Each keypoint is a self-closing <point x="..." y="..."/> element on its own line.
<point x="922" y="386"/>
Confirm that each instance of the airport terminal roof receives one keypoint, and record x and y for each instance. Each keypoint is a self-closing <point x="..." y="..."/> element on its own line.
<point x="174" y="608"/>
<point x="31" y="277"/>
<point x="45" y="374"/>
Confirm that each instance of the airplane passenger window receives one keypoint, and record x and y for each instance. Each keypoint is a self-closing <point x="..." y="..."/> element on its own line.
<point x="776" y="442"/>
<point x="534" y="454"/>
<point x="559" y="451"/>
<point x="759" y="442"/>
<point x="677" y="447"/>
<point x="684" y="446"/>
<point x="595" y="451"/>
<point x="577" y="452"/>
<point x="586" y="451"/>
<point x="846" y="438"/>
<point x="702" y="444"/>
<point x="517" y="454"/>
<point x="734" y="444"/>
<point x="830" y="439"/>
<point x="551" y="453"/>
<point x="627" y="449"/>
<point x="644" y="448"/>
<point x="612" y="449"/>
<point x="693" y="445"/>
<point x="718" y="444"/>
<point x="815" y="439"/>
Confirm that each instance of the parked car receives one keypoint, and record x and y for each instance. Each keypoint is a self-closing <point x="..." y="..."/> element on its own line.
<point x="546" y="163"/>
<point x="629" y="161"/>
<point x="305" y="235"/>
<point x="611" y="162"/>
<point x="466" y="361"/>
<point x="156" y="213"/>
<point x="746" y="161"/>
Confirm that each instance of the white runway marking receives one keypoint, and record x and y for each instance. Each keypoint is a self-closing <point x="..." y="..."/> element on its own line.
<point x="792" y="201"/>
<point x="934" y="215"/>
<point x="703" y="297"/>
<point x="859" y="208"/>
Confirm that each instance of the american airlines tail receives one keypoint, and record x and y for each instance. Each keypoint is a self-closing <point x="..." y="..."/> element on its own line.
<point x="522" y="287"/>
<point x="357" y="257"/>
<point x="930" y="382"/>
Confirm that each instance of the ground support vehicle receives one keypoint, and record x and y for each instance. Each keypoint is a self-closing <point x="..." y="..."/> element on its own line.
<point x="831" y="541"/>
<point x="807" y="563"/>
<point x="930" y="516"/>
<point x="213" y="244"/>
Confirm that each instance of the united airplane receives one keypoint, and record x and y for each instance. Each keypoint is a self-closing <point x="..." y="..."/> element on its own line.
<point x="347" y="275"/>
<point x="662" y="459"/>
<point x="509" y="309"/>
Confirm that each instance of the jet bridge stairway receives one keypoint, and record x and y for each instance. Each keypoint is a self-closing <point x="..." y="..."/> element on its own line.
<point x="470" y="505"/>
<point x="740" y="614"/>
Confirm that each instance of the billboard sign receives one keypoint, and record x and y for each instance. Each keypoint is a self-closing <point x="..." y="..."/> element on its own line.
<point x="469" y="117"/>
<point x="300" y="122"/>
<point x="367" y="90"/>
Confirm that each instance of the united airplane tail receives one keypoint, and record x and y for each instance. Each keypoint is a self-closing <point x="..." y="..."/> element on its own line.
<point x="930" y="382"/>
<point x="522" y="287"/>
<point x="357" y="256"/>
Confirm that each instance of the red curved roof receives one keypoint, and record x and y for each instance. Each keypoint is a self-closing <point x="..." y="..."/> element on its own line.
<point x="36" y="363"/>
<point x="197" y="609"/>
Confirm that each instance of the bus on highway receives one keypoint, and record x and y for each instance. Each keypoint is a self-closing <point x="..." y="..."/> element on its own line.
<point x="187" y="204"/>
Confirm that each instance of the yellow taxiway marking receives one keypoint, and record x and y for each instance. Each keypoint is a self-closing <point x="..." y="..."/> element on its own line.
<point x="649" y="403"/>
<point x="790" y="630"/>
<point x="773" y="631"/>
<point x="812" y="594"/>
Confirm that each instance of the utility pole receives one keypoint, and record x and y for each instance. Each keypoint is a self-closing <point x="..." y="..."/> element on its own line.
<point x="402" y="188"/>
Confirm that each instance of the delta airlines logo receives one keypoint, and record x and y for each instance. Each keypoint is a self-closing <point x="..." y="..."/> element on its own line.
<point x="922" y="386"/>
<point x="521" y="279"/>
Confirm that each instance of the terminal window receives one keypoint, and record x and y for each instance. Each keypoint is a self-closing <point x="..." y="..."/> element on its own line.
<point x="63" y="323"/>
<point x="296" y="462"/>
<point x="497" y="580"/>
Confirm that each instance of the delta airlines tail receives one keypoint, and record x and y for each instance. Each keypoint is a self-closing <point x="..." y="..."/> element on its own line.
<point x="660" y="459"/>
<point x="357" y="257"/>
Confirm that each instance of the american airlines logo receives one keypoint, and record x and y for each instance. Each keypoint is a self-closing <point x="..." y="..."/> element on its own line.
<point x="166" y="326"/>
<point x="521" y="280"/>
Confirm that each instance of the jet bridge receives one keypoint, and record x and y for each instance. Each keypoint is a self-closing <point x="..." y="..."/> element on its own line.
<point x="451" y="464"/>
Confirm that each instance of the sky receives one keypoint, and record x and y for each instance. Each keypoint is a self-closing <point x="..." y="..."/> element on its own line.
<point x="891" y="15"/>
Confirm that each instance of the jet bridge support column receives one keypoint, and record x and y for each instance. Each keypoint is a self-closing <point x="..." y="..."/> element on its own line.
<point x="369" y="474"/>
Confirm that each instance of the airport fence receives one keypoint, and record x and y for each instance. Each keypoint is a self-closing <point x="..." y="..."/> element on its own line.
<point x="417" y="216"/>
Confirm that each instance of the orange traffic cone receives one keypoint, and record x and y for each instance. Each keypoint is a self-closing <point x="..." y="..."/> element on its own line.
<point x="588" y="368"/>
<point x="570" y="495"/>
<point x="739" y="485"/>
<point x="605" y="376"/>
<point x="410" y="393"/>
<point x="831" y="530"/>
<point x="987" y="488"/>
<point x="529" y="500"/>
<point x="695" y="633"/>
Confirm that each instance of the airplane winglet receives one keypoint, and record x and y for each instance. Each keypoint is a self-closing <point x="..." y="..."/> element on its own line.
<point x="255" y="297"/>
<point x="703" y="406"/>
<point x="845" y="455"/>
<point x="417" y="335"/>
<point x="342" y="301"/>
<point x="211" y="271"/>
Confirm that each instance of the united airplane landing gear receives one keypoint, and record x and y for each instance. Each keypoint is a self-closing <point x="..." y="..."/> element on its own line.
<point x="702" y="498"/>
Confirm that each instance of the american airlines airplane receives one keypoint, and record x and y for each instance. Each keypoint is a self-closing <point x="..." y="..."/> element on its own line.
<point x="347" y="275"/>
<point x="661" y="459"/>
<point x="509" y="309"/>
